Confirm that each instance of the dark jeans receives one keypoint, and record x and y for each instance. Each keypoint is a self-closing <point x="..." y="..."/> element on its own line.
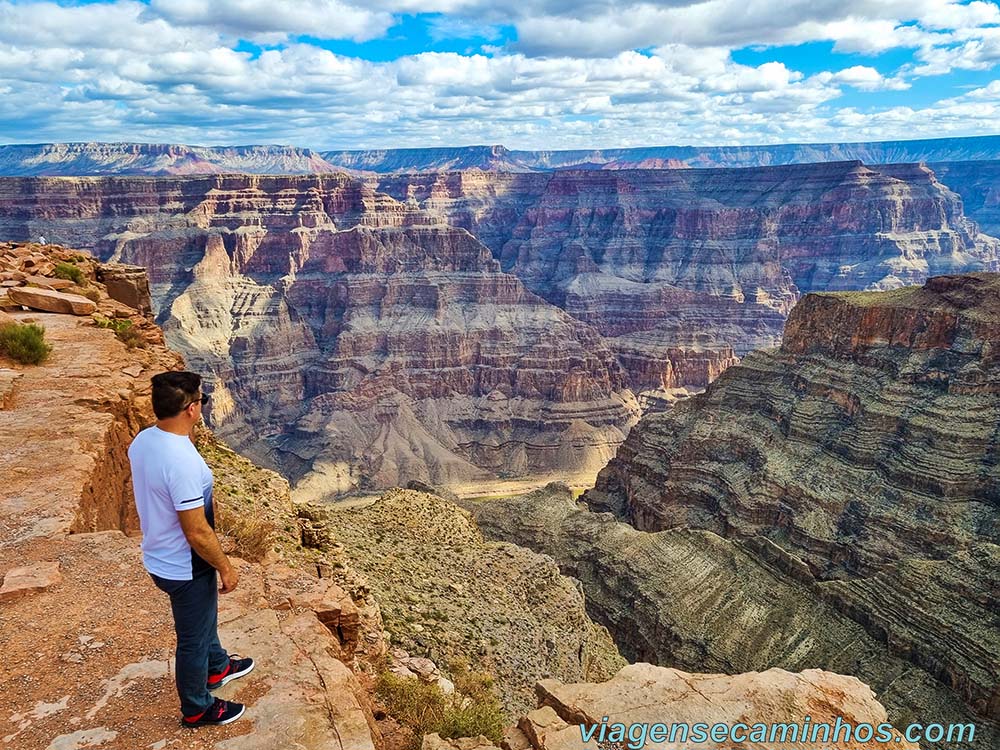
<point x="195" y="605"/>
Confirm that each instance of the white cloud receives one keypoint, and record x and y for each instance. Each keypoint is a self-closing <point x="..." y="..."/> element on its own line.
<point x="274" y="20"/>
<point x="171" y="72"/>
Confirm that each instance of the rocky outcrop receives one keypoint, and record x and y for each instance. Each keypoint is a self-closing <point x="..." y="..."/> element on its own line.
<point x="447" y="594"/>
<point x="867" y="438"/>
<point x="642" y="696"/>
<point x="470" y="326"/>
<point x="75" y="596"/>
<point x="51" y="301"/>
<point x="127" y="284"/>
<point x="858" y="459"/>
<point x="726" y="252"/>
<point x="693" y="600"/>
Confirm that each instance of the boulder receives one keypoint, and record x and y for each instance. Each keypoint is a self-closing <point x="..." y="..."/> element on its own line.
<point x="126" y="284"/>
<point x="51" y="301"/>
<point x="29" y="579"/>
<point x="48" y="283"/>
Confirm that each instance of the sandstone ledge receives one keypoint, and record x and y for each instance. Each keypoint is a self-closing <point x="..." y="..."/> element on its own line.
<point x="81" y="653"/>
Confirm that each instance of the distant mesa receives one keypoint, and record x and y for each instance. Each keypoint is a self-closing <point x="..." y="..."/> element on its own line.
<point x="80" y="159"/>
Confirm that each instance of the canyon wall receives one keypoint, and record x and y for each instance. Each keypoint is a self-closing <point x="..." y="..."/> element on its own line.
<point x="81" y="159"/>
<point x="661" y="254"/>
<point x="499" y="158"/>
<point x="690" y="599"/>
<point x="857" y="465"/>
<point x="453" y="328"/>
<point x="352" y="343"/>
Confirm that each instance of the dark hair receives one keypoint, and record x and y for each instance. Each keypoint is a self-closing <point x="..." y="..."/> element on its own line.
<point x="172" y="391"/>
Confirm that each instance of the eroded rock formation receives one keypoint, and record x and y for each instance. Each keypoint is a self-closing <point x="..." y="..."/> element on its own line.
<point x="691" y="599"/>
<point x="842" y="487"/>
<point x="458" y="327"/>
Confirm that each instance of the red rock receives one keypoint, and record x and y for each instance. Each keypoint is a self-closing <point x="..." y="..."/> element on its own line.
<point x="52" y="301"/>
<point x="19" y="582"/>
<point x="48" y="282"/>
<point x="8" y="382"/>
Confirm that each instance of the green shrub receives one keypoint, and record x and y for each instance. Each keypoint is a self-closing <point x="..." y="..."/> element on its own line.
<point x="69" y="271"/>
<point x="124" y="331"/>
<point x="472" y="710"/>
<point x="24" y="343"/>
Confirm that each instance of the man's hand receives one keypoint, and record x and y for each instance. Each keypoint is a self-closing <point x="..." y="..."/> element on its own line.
<point x="230" y="579"/>
<point x="203" y="540"/>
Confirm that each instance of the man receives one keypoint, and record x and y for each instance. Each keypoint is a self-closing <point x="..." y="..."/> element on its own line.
<point x="173" y="495"/>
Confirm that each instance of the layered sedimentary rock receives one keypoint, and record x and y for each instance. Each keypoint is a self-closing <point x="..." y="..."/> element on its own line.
<point x="449" y="327"/>
<point x="978" y="182"/>
<point x="366" y="345"/>
<point x="78" y="159"/>
<point x="658" y="157"/>
<point x="720" y="251"/>
<point x="691" y="599"/>
<point x="857" y="465"/>
<point x="869" y="437"/>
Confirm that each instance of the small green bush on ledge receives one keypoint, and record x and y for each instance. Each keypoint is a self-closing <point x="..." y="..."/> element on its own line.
<point x="69" y="271"/>
<point x="472" y="710"/>
<point x="124" y="331"/>
<point x="24" y="343"/>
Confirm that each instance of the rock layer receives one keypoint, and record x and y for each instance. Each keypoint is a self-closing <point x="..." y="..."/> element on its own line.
<point x="862" y="453"/>
<point x="466" y="326"/>
<point x="693" y="600"/>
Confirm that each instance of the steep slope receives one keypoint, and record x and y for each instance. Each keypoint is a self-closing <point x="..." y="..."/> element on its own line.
<point x="859" y="458"/>
<point x="978" y="182"/>
<point x="352" y="341"/>
<point x="81" y="159"/>
<point x="692" y="600"/>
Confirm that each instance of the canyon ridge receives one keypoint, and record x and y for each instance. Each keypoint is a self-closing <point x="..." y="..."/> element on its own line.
<point x="474" y="329"/>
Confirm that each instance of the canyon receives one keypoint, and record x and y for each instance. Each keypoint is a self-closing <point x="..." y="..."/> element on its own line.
<point x="471" y="327"/>
<point x="834" y="502"/>
<point x="74" y="593"/>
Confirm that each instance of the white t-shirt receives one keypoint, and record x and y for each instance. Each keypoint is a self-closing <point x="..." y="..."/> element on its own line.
<point x="169" y="475"/>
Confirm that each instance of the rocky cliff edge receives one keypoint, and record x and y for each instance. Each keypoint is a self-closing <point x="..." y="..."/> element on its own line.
<point x="87" y="639"/>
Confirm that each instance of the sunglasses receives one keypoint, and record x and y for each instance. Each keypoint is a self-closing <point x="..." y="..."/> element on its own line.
<point x="203" y="400"/>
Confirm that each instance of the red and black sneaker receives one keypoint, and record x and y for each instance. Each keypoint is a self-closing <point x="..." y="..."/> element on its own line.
<point x="219" y="713"/>
<point x="236" y="667"/>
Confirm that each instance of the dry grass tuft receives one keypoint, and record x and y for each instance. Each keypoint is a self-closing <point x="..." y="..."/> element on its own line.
<point x="252" y="534"/>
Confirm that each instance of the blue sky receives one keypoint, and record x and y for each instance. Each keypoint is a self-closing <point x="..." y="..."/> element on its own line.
<point x="534" y="74"/>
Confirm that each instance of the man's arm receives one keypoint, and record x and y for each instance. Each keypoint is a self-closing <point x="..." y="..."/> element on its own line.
<point x="203" y="540"/>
